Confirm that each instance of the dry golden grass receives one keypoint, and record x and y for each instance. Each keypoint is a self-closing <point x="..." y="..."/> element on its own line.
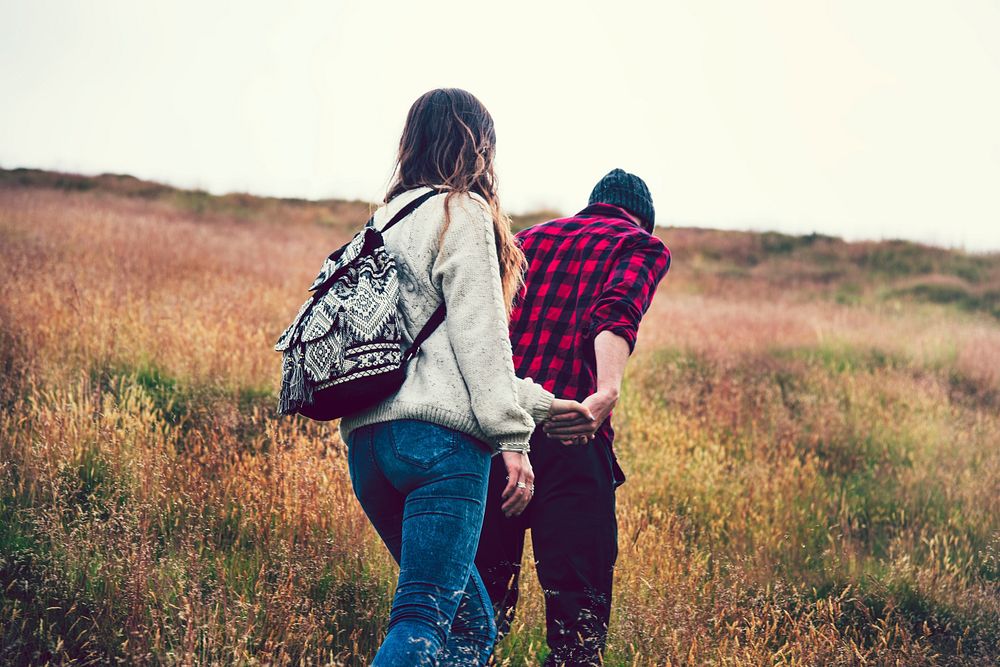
<point x="813" y="460"/>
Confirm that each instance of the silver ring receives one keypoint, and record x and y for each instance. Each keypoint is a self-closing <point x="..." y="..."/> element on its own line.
<point x="522" y="485"/>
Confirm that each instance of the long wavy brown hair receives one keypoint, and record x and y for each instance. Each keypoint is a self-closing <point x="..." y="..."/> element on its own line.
<point x="449" y="142"/>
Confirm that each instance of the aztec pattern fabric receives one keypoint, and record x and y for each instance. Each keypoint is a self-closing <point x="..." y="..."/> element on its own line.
<point x="347" y="329"/>
<point x="343" y="352"/>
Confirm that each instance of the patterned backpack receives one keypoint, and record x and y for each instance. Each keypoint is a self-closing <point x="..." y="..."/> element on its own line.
<point x="343" y="352"/>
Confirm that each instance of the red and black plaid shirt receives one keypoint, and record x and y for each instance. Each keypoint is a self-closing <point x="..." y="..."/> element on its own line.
<point x="596" y="271"/>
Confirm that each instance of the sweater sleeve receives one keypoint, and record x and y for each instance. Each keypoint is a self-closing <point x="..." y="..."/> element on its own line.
<point x="534" y="398"/>
<point x="467" y="273"/>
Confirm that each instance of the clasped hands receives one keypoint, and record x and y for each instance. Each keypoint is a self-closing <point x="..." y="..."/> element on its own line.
<point x="571" y="423"/>
<point x="575" y="422"/>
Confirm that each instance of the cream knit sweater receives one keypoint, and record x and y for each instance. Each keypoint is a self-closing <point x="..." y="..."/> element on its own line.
<point x="463" y="377"/>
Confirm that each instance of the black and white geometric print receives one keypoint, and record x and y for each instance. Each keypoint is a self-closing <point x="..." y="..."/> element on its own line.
<point x="348" y="328"/>
<point x="345" y="256"/>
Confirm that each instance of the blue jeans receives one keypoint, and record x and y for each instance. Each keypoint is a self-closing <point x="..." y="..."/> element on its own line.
<point x="423" y="487"/>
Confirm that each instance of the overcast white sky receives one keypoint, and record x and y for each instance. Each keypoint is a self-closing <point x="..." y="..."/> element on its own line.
<point x="865" y="119"/>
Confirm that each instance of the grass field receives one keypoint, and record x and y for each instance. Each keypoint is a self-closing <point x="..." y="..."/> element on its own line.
<point x="811" y="430"/>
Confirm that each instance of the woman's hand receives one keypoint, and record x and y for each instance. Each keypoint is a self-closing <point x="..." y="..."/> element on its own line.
<point x="573" y="422"/>
<point x="520" y="483"/>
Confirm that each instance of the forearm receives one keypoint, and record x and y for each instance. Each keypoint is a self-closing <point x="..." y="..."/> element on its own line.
<point x="612" y="353"/>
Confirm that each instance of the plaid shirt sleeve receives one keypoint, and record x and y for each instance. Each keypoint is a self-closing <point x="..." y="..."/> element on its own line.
<point x="629" y="289"/>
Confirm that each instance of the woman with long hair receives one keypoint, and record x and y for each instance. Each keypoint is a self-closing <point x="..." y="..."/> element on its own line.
<point x="419" y="461"/>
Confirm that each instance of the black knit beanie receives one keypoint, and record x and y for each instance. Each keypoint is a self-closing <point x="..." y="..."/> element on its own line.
<point x="628" y="191"/>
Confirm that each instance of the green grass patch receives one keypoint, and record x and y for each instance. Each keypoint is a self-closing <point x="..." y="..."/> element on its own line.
<point x="841" y="358"/>
<point x="180" y="403"/>
<point x="171" y="398"/>
<point x="987" y="302"/>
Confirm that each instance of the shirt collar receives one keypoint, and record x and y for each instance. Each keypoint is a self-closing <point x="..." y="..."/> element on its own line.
<point x="602" y="210"/>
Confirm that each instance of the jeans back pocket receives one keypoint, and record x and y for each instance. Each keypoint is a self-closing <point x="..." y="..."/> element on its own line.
<point x="422" y="443"/>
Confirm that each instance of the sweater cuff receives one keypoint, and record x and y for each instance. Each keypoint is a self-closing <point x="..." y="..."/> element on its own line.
<point x="540" y="408"/>
<point x="535" y="399"/>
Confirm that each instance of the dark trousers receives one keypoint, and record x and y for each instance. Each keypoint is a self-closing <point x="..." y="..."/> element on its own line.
<point x="574" y="535"/>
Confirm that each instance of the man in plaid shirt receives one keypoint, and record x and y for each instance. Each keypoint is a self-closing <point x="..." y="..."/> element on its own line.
<point x="589" y="281"/>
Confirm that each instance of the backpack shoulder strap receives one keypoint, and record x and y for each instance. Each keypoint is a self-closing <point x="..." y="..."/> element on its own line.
<point x="433" y="323"/>
<point x="439" y="314"/>
<point x="409" y="208"/>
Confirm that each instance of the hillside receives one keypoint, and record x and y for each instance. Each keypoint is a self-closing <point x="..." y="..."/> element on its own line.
<point x="809" y="428"/>
<point x="707" y="261"/>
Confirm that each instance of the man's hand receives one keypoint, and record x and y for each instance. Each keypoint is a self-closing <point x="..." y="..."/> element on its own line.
<point x="564" y="407"/>
<point x="601" y="403"/>
<point x="574" y="427"/>
<point x="570" y="412"/>
<point x="520" y="483"/>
